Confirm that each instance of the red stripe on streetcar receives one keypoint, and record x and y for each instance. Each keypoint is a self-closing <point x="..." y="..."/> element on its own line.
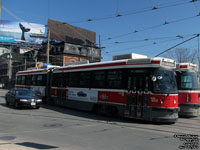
<point x="31" y="72"/>
<point x="185" y="97"/>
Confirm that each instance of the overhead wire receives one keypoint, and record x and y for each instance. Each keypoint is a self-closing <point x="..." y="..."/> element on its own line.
<point x="153" y="27"/>
<point x="140" y="46"/>
<point x="161" y="6"/>
<point x="177" y="45"/>
<point x="149" y="39"/>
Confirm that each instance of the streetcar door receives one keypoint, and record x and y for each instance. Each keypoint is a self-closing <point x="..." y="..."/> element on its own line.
<point x="131" y="97"/>
<point x="142" y="90"/>
<point x="138" y="94"/>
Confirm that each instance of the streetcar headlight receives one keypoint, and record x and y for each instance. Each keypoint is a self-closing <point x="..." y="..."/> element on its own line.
<point x="174" y="101"/>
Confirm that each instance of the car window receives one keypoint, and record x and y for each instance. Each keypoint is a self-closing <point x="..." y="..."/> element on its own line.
<point x="12" y="91"/>
<point x="25" y="93"/>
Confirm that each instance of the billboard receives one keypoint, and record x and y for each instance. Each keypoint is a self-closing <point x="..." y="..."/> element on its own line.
<point x="21" y="32"/>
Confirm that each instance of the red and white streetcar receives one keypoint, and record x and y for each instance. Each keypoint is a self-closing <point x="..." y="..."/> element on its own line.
<point x="142" y="88"/>
<point x="188" y="89"/>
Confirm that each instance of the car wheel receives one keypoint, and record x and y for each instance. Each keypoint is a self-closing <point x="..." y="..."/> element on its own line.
<point x="16" y="105"/>
<point x="7" y="103"/>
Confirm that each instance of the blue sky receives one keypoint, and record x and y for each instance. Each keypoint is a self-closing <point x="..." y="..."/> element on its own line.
<point x="152" y="37"/>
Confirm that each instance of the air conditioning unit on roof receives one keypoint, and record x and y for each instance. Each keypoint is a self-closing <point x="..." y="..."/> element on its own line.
<point x="128" y="56"/>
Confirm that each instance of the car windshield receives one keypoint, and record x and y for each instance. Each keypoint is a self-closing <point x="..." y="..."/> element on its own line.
<point x="164" y="81"/>
<point x="188" y="81"/>
<point x="25" y="93"/>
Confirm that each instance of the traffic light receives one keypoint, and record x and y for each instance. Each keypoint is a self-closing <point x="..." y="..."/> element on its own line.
<point x="38" y="64"/>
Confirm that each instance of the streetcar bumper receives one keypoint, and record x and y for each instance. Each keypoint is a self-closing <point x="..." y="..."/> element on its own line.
<point x="189" y="110"/>
<point x="164" y="115"/>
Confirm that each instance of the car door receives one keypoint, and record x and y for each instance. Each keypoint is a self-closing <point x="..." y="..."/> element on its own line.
<point x="12" y="96"/>
<point x="8" y="96"/>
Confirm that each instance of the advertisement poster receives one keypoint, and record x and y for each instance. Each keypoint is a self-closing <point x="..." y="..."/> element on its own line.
<point x="82" y="95"/>
<point x="21" y="32"/>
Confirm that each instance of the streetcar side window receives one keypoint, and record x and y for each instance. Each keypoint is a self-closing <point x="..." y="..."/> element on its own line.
<point x="62" y="80"/>
<point x="85" y="79"/>
<point x="114" y="79"/>
<point x="19" y="79"/>
<point x="186" y="82"/>
<point x="74" y="79"/>
<point x="28" y="80"/>
<point x="41" y="80"/>
<point x="23" y="80"/>
<point x="65" y="80"/>
<point x="55" y="79"/>
<point x="34" y="80"/>
<point x="99" y="78"/>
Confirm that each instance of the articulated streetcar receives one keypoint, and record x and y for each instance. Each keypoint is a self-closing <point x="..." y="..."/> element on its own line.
<point x="188" y="89"/>
<point x="142" y="88"/>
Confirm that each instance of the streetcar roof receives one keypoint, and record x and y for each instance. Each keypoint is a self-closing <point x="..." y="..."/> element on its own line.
<point x="187" y="67"/>
<point x="41" y="70"/>
<point x="154" y="62"/>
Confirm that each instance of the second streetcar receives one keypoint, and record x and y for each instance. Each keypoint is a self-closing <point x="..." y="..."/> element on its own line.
<point x="188" y="89"/>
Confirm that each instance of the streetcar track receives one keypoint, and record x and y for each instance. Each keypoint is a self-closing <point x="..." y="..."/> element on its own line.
<point x="187" y="127"/>
<point x="182" y="127"/>
<point x="108" y="122"/>
<point x="178" y="126"/>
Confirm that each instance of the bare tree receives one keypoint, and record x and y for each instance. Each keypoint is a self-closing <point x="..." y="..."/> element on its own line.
<point x="183" y="55"/>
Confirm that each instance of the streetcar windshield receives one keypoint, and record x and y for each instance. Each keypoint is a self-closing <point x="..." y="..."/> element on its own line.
<point x="164" y="82"/>
<point x="188" y="81"/>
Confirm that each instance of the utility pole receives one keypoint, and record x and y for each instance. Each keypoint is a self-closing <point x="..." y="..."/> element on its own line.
<point x="92" y="54"/>
<point x="48" y="45"/>
<point x="10" y="67"/>
<point x="100" y="46"/>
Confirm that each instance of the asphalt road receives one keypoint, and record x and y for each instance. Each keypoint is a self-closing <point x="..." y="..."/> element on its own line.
<point x="58" y="128"/>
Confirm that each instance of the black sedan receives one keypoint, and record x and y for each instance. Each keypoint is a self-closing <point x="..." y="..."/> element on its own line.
<point x="22" y="97"/>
